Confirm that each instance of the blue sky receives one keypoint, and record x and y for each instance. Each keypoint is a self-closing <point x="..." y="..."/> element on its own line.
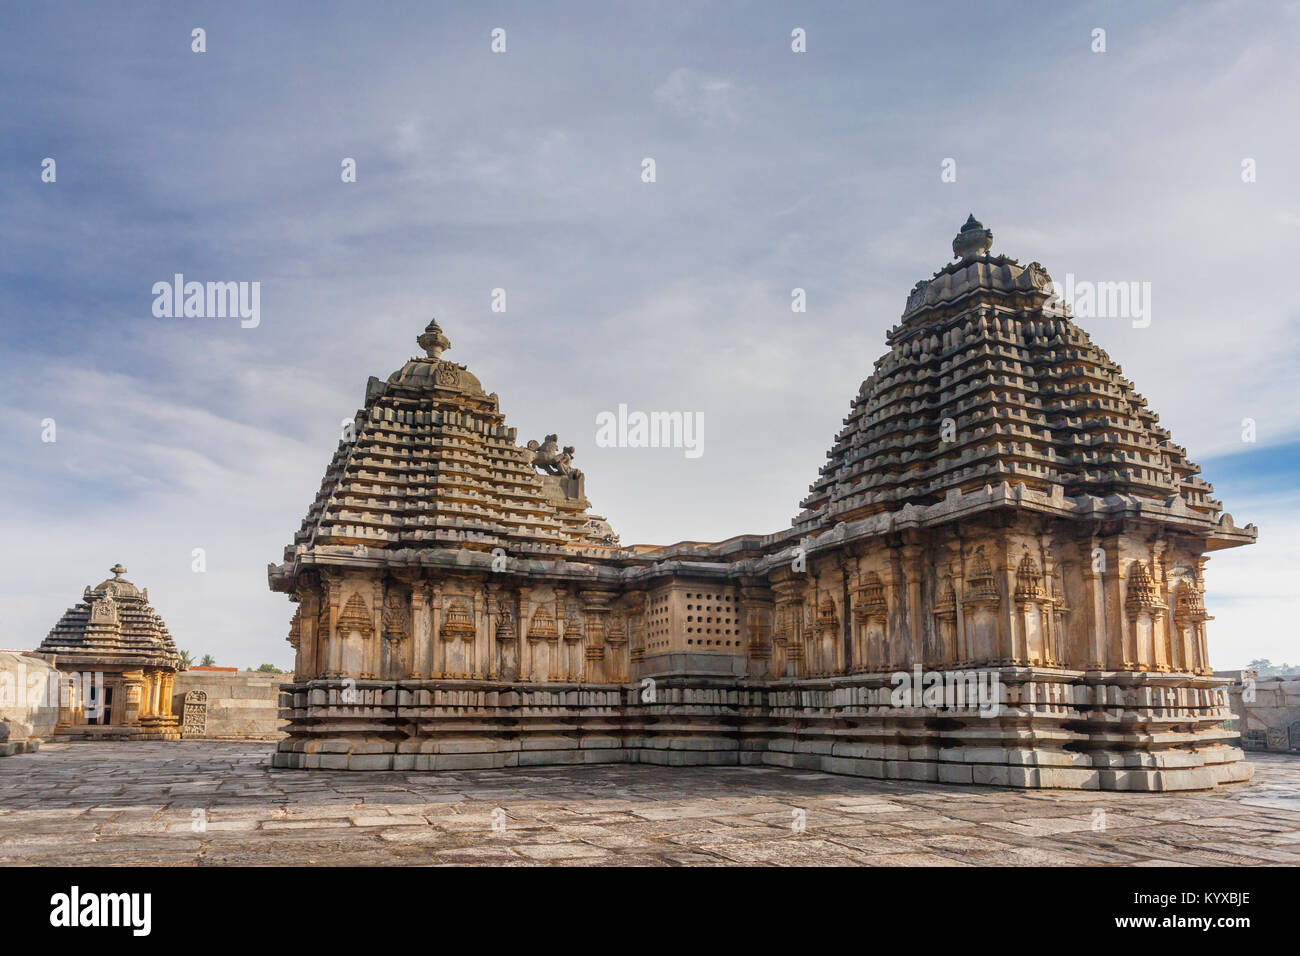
<point x="521" y="171"/>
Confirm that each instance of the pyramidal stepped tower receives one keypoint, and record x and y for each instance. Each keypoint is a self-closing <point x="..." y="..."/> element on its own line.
<point x="997" y="577"/>
<point x="987" y="382"/>
<point x="120" y="662"/>
<point x="433" y="464"/>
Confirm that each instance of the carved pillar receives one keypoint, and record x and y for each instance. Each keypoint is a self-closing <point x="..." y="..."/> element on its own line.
<point x="419" y="630"/>
<point x="898" y="634"/>
<point x="571" y="644"/>
<point x="596" y="609"/>
<point x="165" y="694"/>
<point x="1118" y="643"/>
<point x="636" y="635"/>
<point x="133" y="684"/>
<point x="526" y="661"/>
<point x="476" y="654"/>
<point x="916" y="623"/>
<point x="1010" y="636"/>
<point x="797" y="664"/>
<point x="333" y="588"/>
<point x="308" y="611"/>
<point x="1199" y="646"/>
<point x="438" y="664"/>
<point x="783" y="630"/>
<point x="756" y="626"/>
<point x="1047" y="615"/>
<point x="1160" y="634"/>
<point x="375" y="646"/>
<point x="1093" y="612"/>
<point x="963" y="651"/>
<point x="844" y="651"/>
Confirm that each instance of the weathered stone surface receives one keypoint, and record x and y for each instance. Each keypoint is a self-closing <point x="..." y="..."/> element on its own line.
<point x="206" y="802"/>
<point x="240" y="705"/>
<point x="1266" y="710"/>
<point x="1001" y="525"/>
<point x="28" y="702"/>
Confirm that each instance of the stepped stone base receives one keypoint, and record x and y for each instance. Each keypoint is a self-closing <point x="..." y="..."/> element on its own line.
<point x="1053" y="729"/>
<point x="9" y="748"/>
<point x="160" y="731"/>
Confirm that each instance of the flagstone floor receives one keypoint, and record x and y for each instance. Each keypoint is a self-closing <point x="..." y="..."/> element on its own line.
<point x="215" y="803"/>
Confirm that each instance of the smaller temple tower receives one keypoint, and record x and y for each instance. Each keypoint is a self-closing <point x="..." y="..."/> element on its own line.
<point x="117" y="662"/>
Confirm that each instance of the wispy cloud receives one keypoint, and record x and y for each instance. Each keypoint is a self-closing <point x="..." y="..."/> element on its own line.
<point x="694" y="95"/>
<point x="521" y="171"/>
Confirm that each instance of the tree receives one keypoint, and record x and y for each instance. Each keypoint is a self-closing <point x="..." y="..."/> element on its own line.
<point x="186" y="660"/>
<point x="1267" y="668"/>
<point x="269" y="669"/>
<point x="208" y="661"/>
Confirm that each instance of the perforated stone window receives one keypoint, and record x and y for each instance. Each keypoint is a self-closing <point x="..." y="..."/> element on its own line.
<point x="711" y="618"/>
<point x="659" y="624"/>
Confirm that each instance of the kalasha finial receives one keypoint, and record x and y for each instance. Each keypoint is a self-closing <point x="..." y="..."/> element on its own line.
<point x="117" y="571"/>
<point x="973" y="241"/>
<point x="432" y="340"/>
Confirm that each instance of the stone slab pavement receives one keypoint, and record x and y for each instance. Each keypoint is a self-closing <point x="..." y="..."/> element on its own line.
<point x="213" y="803"/>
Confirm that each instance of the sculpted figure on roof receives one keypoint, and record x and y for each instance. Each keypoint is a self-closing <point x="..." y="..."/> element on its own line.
<point x="551" y="459"/>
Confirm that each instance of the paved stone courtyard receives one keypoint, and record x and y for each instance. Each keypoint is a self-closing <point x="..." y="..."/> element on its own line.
<point x="215" y="803"/>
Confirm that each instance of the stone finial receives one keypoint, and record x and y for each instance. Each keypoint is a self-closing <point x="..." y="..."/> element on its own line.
<point x="432" y="339"/>
<point x="117" y="571"/>
<point x="973" y="241"/>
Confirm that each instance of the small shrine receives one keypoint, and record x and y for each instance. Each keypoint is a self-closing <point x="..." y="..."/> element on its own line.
<point x="118" y="663"/>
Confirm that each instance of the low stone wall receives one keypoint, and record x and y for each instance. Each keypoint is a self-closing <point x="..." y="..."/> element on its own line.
<point x="28" y="702"/>
<point x="239" y="705"/>
<point x="1266" y="711"/>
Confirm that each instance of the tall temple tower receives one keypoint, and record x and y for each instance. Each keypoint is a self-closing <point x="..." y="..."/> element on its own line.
<point x="997" y="577"/>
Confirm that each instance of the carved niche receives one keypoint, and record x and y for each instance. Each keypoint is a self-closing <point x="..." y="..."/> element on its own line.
<point x="396" y="619"/>
<point x="104" y="611"/>
<point x="542" y="627"/>
<point x="456" y="622"/>
<point x="355" y="617"/>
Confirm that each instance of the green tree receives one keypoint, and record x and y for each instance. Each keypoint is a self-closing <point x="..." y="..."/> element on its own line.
<point x="269" y="669"/>
<point x="186" y="660"/>
<point x="1267" y="668"/>
<point x="208" y="661"/>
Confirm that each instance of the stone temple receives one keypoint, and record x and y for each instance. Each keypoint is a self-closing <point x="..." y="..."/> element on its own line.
<point x="1000" y="512"/>
<point x="118" y="663"/>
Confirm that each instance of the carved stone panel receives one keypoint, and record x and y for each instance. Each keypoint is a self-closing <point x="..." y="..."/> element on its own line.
<point x="194" y="720"/>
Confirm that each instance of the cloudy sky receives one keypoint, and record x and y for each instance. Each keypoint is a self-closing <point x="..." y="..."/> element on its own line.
<point x="521" y="170"/>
